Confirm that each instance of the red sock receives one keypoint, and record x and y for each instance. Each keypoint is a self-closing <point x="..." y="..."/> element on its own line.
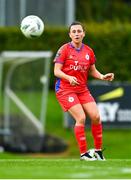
<point x="81" y="138"/>
<point x="97" y="134"/>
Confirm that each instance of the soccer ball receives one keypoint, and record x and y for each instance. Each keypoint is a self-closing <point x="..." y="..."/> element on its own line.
<point x="32" y="26"/>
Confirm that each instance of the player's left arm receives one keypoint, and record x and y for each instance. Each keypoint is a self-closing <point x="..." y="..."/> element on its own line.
<point x="96" y="74"/>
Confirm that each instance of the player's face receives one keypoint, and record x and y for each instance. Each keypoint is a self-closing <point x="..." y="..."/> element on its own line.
<point x="76" y="34"/>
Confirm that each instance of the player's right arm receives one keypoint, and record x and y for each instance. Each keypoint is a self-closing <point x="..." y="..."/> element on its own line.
<point x="60" y="74"/>
<point x="59" y="63"/>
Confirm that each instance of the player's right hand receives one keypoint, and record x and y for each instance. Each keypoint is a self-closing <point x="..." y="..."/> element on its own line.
<point x="73" y="81"/>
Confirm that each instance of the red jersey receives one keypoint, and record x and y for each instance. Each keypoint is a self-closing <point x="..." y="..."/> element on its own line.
<point x="76" y="62"/>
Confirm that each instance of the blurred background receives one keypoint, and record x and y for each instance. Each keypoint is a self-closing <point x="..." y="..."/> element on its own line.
<point x="31" y="120"/>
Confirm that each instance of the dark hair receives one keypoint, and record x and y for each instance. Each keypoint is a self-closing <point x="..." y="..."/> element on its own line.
<point x="76" y="23"/>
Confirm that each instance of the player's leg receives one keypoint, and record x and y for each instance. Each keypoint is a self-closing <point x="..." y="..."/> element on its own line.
<point x="90" y="108"/>
<point x="70" y="102"/>
<point x="96" y="126"/>
<point x="78" y="114"/>
<point x="92" y="111"/>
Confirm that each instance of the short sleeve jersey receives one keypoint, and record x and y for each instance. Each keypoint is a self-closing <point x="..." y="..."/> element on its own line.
<point x="76" y="62"/>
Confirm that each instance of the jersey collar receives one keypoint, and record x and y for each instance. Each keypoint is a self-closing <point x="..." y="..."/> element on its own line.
<point x="77" y="49"/>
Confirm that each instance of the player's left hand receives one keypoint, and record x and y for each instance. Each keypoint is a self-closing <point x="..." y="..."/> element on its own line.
<point x="108" y="77"/>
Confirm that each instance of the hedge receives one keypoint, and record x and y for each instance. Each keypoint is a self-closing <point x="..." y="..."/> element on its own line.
<point x="111" y="43"/>
<point x="101" y="10"/>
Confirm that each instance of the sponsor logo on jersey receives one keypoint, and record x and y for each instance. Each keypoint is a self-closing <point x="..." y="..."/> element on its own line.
<point x="78" y="67"/>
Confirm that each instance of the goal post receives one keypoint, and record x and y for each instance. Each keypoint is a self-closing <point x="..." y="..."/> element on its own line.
<point x="16" y="59"/>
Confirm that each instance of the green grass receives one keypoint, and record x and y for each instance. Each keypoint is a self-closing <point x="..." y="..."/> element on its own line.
<point x="64" y="168"/>
<point x="67" y="164"/>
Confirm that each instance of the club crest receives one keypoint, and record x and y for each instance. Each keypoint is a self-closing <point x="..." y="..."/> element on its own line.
<point x="87" y="56"/>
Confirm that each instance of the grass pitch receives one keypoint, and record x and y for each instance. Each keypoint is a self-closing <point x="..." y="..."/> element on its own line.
<point x="116" y="142"/>
<point x="57" y="168"/>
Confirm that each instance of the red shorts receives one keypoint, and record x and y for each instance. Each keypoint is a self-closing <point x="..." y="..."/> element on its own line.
<point x="69" y="99"/>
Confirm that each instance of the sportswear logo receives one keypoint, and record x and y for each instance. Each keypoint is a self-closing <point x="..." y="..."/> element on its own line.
<point x="119" y="92"/>
<point x="70" y="57"/>
<point x="87" y="57"/>
<point x="70" y="99"/>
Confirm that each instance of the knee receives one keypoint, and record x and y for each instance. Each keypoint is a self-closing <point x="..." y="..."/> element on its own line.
<point x="81" y="119"/>
<point x="96" y="118"/>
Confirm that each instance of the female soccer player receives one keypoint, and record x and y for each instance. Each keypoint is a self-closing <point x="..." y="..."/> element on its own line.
<point x="74" y="61"/>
